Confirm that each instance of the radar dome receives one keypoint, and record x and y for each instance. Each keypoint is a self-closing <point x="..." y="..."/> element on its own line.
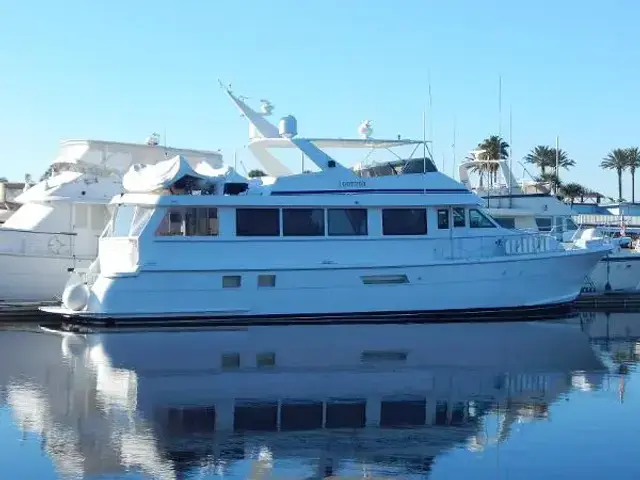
<point x="288" y="126"/>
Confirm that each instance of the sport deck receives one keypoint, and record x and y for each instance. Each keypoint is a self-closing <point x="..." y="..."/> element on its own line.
<point x="28" y="312"/>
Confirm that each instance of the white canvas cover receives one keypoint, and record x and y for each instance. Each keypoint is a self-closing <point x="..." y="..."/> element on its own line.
<point x="150" y="178"/>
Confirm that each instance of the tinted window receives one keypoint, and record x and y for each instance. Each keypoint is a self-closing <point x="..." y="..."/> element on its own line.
<point x="543" y="223"/>
<point x="257" y="222"/>
<point x="347" y="221"/>
<point x="404" y="221"/>
<point x="459" y="217"/>
<point x="571" y="225"/>
<point x="189" y="221"/>
<point x="443" y="218"/>
<point x="506" y="222"/>
<point x="477" y="219"/>
<point x="305" y="222"/>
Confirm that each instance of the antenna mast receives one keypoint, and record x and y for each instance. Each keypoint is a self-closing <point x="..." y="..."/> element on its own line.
<point x="510" y="159"/>
<point x="430" y="114"/>
<point x="555" y="183"/>
<point x="453" y="148"/>
<point x="424" y="141"/>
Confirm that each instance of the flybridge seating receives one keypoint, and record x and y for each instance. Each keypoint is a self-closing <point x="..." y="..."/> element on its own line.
<point x="396" y="167"/>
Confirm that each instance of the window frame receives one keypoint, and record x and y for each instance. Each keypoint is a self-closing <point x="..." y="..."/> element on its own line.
<point x="343" y="210"/>
<point x="240" y="210"/>
<point x="447" y="211"/>
<point x="464" y="217"/>
<point x="482" y="215"/>
<point x="287" y="232"/>
<point x="423" y="210"/>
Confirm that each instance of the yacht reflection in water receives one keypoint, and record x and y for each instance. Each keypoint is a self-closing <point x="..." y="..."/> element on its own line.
<point x="326" y="397"/>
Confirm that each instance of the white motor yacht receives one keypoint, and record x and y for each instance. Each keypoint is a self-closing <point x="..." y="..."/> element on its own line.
<point x="57" y="226"/>
<point x="204" y="245"/>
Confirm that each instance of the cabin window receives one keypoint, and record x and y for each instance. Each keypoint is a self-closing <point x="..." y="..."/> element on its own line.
<point x="558" y="224"/>
<point x="477" y="219"/>
<point x="231" y="281"/>
<point x="230" y="361"/>
<point x="267" y="359"/>
<point x="191" y="222"/>
<point x="506" y="222"/>
<point x="266" y="280"/>
<point x="459" y="217"/>
<point x="129" y="221"/>
<point x="347" y="221"/>
<point x="303" y="222"/>
<point x="544" y="224"/>
<point x="404" y="221"/>
<point x="571" y="225"/>
<point x="258" y="222"/>
<point x="201" y="221"/>
<point x="443" y="218"/>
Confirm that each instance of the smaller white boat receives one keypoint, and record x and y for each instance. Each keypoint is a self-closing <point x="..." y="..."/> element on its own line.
<point x="60" y="219"/>
<point x="528" y="207"/>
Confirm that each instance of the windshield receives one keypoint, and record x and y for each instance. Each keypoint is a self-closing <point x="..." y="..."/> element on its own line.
<point x="128" y="221"/>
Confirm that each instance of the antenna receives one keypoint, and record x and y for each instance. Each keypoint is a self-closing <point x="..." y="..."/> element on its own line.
<point x="165" y="142"/>
<point x="510" y="158"/>
<point x="430" y="113"/>
<point x="555" y="184"/>
<point x="235" y="160"/>
<point x="453" y="148"/>
<point x="499" y="108"/>
<point x="424" y="141"/>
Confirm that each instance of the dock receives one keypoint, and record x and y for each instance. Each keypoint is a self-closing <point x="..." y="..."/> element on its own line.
<point x="24" y="312"/>
<point x="614" y="302"/>
<point x="618" y="302"/>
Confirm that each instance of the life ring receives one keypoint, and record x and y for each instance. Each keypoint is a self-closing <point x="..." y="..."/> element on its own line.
<point x="56" y="245"/>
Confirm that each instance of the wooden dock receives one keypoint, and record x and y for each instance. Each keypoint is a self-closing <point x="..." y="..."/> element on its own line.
<point x="615" y="302"/>
<point x="24" y="312"/>
<point x="622" y="302"/>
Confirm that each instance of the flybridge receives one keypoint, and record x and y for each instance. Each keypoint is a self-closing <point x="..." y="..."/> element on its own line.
<point x="263" y="136"/>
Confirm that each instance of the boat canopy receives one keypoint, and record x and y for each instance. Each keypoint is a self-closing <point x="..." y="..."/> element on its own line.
<point x="178" y="173"/>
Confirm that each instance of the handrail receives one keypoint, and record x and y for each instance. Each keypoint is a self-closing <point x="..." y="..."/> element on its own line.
<point x="8" y="229"/>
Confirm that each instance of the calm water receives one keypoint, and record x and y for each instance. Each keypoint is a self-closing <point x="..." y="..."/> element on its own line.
<point x="525" y="400"/>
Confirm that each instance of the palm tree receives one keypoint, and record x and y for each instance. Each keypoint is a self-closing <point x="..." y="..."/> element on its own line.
<point x="256" y="174"/>
<point x="491" y="148"/>
<point x="549" y="179"/>
<point x="633" y="162"/>
<point x="3" y="180"/>
<point x="616" y="160"/>
<point x="545" y="157"/>
<point x="571" y="191"/>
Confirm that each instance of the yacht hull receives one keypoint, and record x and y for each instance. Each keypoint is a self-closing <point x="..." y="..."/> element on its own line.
<point x="34" y="278"/>
<point x="471" y="289"/>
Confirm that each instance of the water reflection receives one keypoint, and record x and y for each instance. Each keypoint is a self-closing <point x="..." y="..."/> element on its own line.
<point x="306" y="401"/>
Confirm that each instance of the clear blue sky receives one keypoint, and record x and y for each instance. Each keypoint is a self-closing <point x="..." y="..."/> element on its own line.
<point x="120" y="70"/>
